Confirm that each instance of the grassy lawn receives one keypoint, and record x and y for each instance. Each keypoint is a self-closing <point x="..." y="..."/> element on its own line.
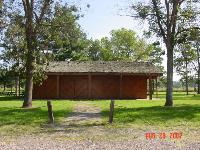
<point x="15" y="120"/>
<point x="141" y="114"/>
<point x="152" y="114"/>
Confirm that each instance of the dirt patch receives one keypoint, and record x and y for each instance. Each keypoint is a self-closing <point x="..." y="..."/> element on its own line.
<point x="84" y="114"/>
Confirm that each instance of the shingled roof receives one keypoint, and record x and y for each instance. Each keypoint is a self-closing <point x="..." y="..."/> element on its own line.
<point x="102" y="67"/>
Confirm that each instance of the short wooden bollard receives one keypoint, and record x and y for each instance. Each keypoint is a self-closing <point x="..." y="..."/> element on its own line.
<point x="112" y="104"/>
<point x="50" y="113"/>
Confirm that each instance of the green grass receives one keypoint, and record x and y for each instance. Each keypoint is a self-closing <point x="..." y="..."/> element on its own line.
<point x="143" y="114"/>
<point x="152" y="113"/>
<point x="16" y="120"/>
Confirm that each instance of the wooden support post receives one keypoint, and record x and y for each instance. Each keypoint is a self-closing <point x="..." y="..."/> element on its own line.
<point x="153" y="86"/>
<point x="150" y="89"/>
<point x="89" y="86"/>
<point x="50" y="112"/>
<point x="156" y="87"/>
<point x="120" y="87"/>
<point x="112" y="104"/>
<point x="58" y="86"/>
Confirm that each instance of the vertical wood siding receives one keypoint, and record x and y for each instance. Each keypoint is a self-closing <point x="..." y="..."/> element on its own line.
<point x="47" y="90"/>
<point x="134" y="87"/>
<point x="105" y="87"/>
<point x="102" y="87"/>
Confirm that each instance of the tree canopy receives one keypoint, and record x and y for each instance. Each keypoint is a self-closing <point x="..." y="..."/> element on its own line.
<point x="171" y="20"/>
<point x="125" y="45"/>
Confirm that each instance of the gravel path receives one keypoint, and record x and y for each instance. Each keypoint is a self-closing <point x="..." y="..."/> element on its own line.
<point x="83" y="130"/>
<point x="44" y="142"/>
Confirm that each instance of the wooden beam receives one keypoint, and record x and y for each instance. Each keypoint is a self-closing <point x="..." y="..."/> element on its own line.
<point x="58" y="86"/>
<point x="120" y="87"/>
<point x="153" y="75"/>
<point x="150" y="89"/>
<point x="89" y="86"/>
<point x="74" y="85"/>
<point x="153" y="85"/>
<point x="156" y="88"/>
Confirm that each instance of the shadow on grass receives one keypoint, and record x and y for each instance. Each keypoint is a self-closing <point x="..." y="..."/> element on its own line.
<point x="30" y="117"/>
<point x="180" y="96"/>
<point x="10" y="98"/>
<point x="156" y="114"/>
<point x="187" y="97"/>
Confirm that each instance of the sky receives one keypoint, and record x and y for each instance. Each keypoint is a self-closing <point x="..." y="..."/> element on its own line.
<point x="106" y="15"/>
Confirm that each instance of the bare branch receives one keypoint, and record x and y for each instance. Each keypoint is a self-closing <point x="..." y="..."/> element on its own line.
<point x="25" y="8"/>
<point x="43" y="10"/>
<point x="135" y="15"/>
<point x="36" y="16"/>
<point x="156" y="9"/>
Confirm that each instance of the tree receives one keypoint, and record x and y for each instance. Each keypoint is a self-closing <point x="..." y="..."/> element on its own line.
<point x="127" y="46"/>
<point x="32" y="17"/>
<point x="7" y="77"/>
<point x="168" y="19"/>
<point x="194" y="39"/>
<point x="183" y="62"/>
<point x="46" y="29"/>
<point x="122" y="45"/>
<point x="3" y="77"/>
<point x="33" y="21"/>
<point x="14" y="49"/>
<point x="106" y="49"/>
<point x="70" y="42"/>
<point x="95" y="51"/>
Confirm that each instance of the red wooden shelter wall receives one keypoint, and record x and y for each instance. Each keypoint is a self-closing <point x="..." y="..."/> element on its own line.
<point x="47" y="90"/>
<point x="73" y="87"/>
<point x="134" y="87"/>
<point x="105" y="87"/>
<point x="100" y="87"/>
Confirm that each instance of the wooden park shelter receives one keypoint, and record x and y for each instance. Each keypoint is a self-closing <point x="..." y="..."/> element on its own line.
<point x="96" y="80"/>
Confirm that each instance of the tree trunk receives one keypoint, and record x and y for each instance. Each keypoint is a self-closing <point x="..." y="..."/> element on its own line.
<point x="30" y="64"/>
<point x="198" y="80"/>
<point x="198" y="88"/>
<point x="17" y="86"/>
<point x="29" y="81"/>
<point x="169" y="94"/>
<point x="186" y="78"/>
<point x="30" y="59"/>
